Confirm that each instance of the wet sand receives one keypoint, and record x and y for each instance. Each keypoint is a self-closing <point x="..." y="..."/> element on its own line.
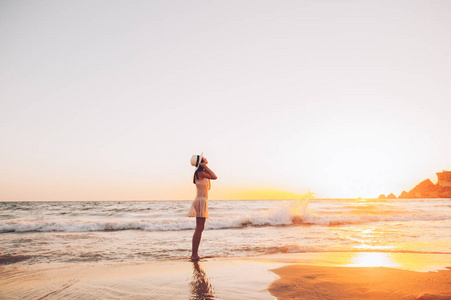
<point x="363" y="275"/>
<point x="314" y="282"/>
<point x="287" y="276"/>
<point x="210" y="279"/>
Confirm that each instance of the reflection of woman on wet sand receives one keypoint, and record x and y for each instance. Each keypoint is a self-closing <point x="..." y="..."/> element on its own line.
<point x="199" y="207"/>
<point x="201" y="287"/>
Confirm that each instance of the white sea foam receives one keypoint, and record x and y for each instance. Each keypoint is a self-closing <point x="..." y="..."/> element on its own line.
<point x="159" y="230"/>
<point x="284" y="214"/>
<point x="83" y="226"/>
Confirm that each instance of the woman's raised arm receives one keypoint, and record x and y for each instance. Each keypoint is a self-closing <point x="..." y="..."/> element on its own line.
<point x="207" y="172"/>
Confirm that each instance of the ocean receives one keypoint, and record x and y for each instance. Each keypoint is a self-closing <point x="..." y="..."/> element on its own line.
<point x="72" y="232"/>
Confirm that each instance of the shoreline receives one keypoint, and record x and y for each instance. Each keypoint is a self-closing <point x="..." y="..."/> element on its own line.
<point x="278" y="276"/>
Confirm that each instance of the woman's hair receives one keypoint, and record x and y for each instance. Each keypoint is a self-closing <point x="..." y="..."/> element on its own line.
<point x="196" y="175"/>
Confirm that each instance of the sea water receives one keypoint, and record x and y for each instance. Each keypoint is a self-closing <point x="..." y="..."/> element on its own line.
<point x="71" y="232"/>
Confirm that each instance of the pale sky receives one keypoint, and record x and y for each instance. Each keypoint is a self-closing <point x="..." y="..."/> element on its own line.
<point x="108" y="100"/>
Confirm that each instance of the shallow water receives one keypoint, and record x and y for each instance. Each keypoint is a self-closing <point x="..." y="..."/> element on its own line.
<point x="159" y="230"/>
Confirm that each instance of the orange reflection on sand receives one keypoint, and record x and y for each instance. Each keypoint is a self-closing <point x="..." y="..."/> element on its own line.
<point x="420" y="262"/>
<point x="407" y="261"/>
<point x="372" y="259"/>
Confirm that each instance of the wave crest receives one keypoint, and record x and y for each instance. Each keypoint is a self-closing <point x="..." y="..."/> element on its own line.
<point x="284" y="214"/>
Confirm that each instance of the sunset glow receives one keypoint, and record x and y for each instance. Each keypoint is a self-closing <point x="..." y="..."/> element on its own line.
<point x="372" y="259"/>
<point x="283" y="98"/>
<point x="406" y="261"/>
<point x="267" y="194"/>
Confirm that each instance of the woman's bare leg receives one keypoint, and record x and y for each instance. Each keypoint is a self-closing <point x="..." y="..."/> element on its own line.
<point x="200" y="224"/>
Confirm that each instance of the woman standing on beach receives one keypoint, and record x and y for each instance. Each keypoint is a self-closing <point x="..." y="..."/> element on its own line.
<point x="199" y="207"/>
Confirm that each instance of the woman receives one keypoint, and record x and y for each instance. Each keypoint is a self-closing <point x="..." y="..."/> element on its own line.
<point x="199" y="207"/>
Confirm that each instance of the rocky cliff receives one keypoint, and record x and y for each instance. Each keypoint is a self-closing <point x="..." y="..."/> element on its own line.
<point x="426" y="189"/>
<point x="444" y="184"/>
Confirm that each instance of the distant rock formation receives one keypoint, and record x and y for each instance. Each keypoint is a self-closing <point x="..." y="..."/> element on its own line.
<point x="403" y="195"/>
<point x="426" y="189"/>
<point x="381" y="196"/>
<point x="391" y="196"/>
<point x="444" y="184"/>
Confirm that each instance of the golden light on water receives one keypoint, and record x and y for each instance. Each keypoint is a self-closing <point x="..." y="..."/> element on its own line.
<point x="419" y="262"/>
<point x="372" y="259"/>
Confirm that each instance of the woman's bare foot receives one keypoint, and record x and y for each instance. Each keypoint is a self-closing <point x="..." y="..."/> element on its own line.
<point x="195" y="258"/>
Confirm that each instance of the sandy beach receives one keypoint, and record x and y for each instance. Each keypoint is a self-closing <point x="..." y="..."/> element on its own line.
<point x="314" y="282"/>
<point x="288" y="276"/>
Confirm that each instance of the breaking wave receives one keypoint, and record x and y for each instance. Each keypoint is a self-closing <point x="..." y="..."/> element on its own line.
<point x="287" y="214"/>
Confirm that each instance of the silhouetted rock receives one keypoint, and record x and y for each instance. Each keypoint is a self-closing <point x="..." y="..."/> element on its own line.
<point x="444" y="184"/>
<point x="425" y="189"/>
<point x="391" y="196"/>
<point x="410" y="194"/>
<point x="404" y="194"/>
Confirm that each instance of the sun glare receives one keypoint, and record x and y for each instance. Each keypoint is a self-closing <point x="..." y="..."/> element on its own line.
<point x="372" y="259"/>
<point x="419" y="262"/>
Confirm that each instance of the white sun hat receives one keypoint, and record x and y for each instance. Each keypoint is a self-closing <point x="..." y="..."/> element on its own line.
<point x="196" y="160"/>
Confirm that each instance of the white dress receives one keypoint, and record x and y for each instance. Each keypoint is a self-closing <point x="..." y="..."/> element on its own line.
<point x="199" y="207"/>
